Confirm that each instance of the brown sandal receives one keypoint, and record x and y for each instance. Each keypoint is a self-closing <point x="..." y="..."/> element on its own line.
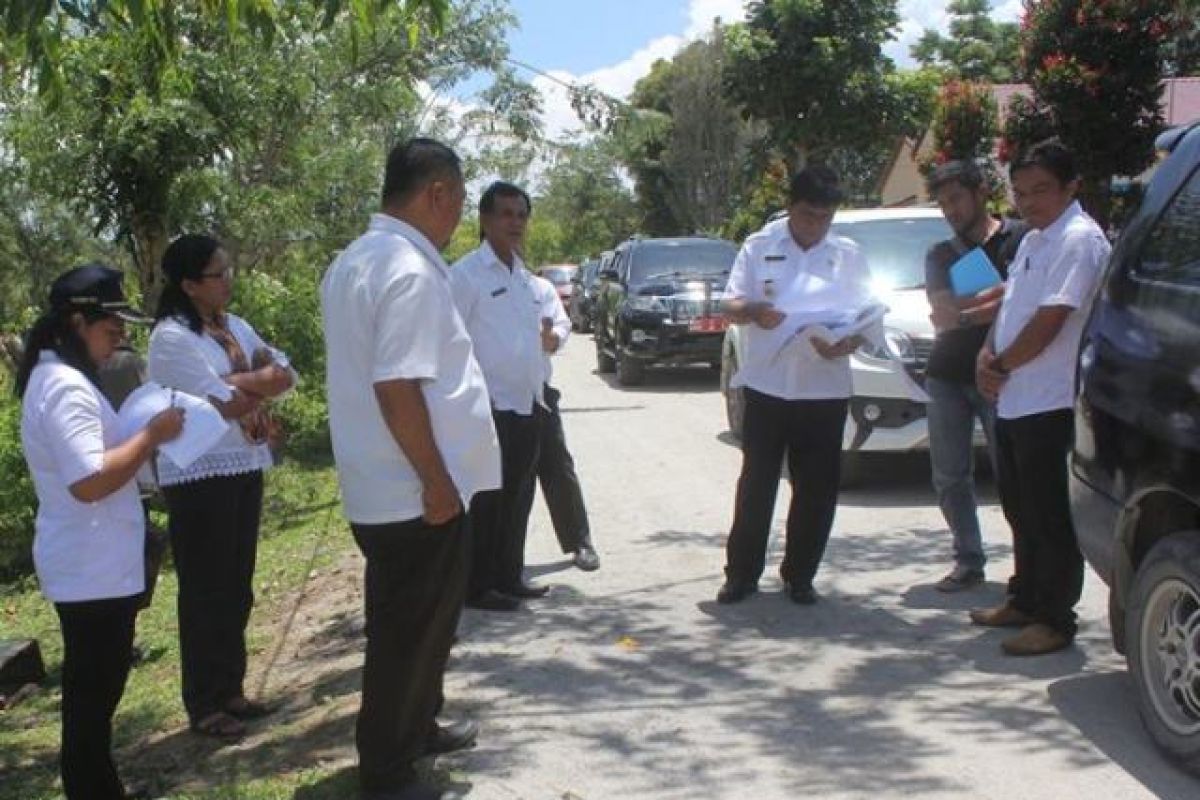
<point x="220" y="725"/>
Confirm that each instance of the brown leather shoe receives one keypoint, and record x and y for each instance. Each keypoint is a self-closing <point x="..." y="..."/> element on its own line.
<point x="1005" y="616"/>
<point x="1036" y="640"/>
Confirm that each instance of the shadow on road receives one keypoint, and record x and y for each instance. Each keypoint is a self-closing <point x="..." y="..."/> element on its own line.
<point x="1103" y="706"/>
<point x="670" y="380"/>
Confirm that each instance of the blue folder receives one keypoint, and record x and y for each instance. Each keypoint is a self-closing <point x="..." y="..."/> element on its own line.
<point x="973" y="273"/>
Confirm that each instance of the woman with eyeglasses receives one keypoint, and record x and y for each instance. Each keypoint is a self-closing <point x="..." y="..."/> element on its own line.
<point x="215" y="504"/>
<point x="88" y="541"/>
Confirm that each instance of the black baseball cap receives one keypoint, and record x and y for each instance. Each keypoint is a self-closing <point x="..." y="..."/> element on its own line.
<point x="93" y="286"/>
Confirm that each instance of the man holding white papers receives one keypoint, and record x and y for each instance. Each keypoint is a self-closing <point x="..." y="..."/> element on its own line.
<point x="1028" y="366"/>
<point x="792" y="272"/>
<point x="962" y="314"/>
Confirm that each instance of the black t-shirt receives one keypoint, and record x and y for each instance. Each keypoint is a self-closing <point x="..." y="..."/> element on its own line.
<point x="955" y="350"/>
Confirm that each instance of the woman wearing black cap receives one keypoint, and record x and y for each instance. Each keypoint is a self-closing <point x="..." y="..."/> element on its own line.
<point x="89" y="531"/>
<point x="215" y="504"/>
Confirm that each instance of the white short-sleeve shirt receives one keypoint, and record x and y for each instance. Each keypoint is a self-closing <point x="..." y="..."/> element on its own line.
<point x="81" y="551"/>
<point x="389" y="314"/>
<point x="551" y="309"/>
<point x="1058" y="266"/>
<point x="831" y="276"/>
<point x="195" y="363"/>
<point x="502" y="313"/>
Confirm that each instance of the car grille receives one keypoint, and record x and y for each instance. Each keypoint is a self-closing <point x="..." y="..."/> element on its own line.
<point x="685" y="309"/>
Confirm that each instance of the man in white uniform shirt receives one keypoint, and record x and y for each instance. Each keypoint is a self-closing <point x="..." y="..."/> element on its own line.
<point x="796" y="399"/>
<point x="1028" y="367"/>
<point x="414" y="442"/>
<point x="495" y="296"/>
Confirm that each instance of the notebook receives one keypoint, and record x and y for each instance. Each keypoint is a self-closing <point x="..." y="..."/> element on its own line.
<point x="973" y="273"/>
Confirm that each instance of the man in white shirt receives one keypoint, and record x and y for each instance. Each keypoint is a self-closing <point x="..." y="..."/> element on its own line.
<point x="555" y="466"/>
<point x="1028" y="367"/>
<point x="791" y="271"/>
<point x="414" y="442"/>
<point x="494" y="294"/>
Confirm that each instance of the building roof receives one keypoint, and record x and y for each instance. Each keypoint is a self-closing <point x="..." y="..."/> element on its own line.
<point x="1180" y="99"/>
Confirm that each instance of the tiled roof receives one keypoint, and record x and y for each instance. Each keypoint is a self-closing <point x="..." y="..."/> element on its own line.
<point x="1180" y="99"/>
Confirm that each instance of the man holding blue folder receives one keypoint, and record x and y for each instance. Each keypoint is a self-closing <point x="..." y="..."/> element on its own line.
<point x="964" y="281"/>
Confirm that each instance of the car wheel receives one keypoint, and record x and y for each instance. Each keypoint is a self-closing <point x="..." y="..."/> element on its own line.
<point x="735" y="397"/>
<point x="605" y="364"/>
<point x="1163" y="625"/>
<point x="630" y="371"/>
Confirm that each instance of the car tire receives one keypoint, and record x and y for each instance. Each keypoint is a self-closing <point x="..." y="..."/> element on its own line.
<point x="630" y="371"/>
<point x="1164" y="649"/>
<point x="605" y="364"/>
<point x="735" y="397"/>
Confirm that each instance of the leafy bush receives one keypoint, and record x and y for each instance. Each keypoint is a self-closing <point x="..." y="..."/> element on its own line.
<point x="284" y="306"/>
<point x="18" y="503"/>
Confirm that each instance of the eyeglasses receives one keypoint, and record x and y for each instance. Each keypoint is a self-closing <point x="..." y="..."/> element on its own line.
<point x="223" y="275"/>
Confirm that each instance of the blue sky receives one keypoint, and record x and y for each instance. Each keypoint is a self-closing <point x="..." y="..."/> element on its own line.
<point x="610" y="44"/>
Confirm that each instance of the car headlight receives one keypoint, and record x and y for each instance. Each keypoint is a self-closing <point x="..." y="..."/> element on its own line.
<point x="897" y="345"/>
<point x="655" y="305"/>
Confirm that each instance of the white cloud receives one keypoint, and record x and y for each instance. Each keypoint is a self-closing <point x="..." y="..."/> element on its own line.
<point x="701" y="14"/>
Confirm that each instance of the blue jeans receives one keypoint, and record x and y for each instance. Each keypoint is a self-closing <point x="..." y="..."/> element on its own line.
<point x="952" y="414"/>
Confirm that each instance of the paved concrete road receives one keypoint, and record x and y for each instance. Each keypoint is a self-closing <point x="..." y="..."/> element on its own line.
<point x="633" y="683"/>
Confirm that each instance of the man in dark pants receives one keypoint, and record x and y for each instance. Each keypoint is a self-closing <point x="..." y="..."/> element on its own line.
<point x="1028" y="367"/>
<point x="796" y="392"/>
<point x="414" y="442"/>
<point x="495" y="296"/>
<point x="962" y="324"/>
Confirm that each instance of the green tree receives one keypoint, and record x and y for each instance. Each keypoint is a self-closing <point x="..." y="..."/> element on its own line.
<point x="689" y="169"/>
<point x="1182" y="48"/>
<point x="585" y="194"/>
<point x="268" y="145"/>
<point x="815" y="73"/>
<point x="977" y="49"/>
<point x="1096" y="71"/>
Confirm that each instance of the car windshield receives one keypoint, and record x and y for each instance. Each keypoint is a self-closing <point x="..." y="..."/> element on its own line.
<point x="895" y="248"/>
<point x="558" y="275"/>
<point x="698" y="258"/>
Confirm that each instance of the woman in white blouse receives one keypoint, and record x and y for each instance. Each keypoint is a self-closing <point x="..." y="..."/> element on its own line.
<point x="215" y="504"/>
<point x="88" y="544"/>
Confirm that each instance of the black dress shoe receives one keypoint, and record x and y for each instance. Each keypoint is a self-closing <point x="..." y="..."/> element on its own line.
<point x="802" y="595"/>
<point x="586" y="558"/>
<point x="525" y="590"/>
<point x="494" y="601"/>
<point x="448" y="738"/>
<point x="735" y="592"/>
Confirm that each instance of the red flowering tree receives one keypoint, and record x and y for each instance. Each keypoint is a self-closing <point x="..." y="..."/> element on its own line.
<point x="1096" y="67"/>
<point x="965" y="123"/>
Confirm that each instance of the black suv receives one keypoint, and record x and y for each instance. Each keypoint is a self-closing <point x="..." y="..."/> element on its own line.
<point x="660" y="304"/>
<point x="1135" y="469"/>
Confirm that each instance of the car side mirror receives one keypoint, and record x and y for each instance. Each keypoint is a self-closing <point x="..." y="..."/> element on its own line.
<point x="609" y="275"/>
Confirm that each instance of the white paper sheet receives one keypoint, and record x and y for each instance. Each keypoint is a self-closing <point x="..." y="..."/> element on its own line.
<point x="203" y="425"/>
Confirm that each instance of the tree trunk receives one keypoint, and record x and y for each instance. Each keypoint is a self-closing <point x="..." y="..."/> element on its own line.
<point x="150" y="240"/>
<point x="1095" y="195"/>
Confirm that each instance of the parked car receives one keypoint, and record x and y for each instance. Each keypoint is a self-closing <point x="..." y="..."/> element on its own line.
<point x="660" y="304"/>
<point x="885" y="416"/>
<point x="583" y="295"/>
<point x="1135" y="468"/>
<point x="561" y="276"/>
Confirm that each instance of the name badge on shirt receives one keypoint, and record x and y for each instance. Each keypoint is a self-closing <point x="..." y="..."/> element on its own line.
<point x="500" y="291"/>
<point x="775" y="258"/>
<point x="769" y="289"/>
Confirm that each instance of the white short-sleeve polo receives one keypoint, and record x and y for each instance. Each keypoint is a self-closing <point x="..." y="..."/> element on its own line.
<point x="81" y="551"/>
<point x="828" y="278"/>
<point x="1058" y="266"/>
<point x="389" y="314"/>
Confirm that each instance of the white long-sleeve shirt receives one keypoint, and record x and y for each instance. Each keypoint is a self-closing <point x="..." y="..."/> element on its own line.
<point x="552" y="309"/>
<point x="502" y="312"/>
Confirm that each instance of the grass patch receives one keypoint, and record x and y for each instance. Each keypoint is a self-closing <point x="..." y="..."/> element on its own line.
<point x="303" y="529"/>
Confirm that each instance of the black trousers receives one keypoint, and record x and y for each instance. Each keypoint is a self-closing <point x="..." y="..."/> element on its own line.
<point x="560" y="485"/>
<point x="1031" y="456"/>
<point x="500" y="518"/>
<point x="416" y="580"/>
<point x="214" y="540"/>
<point x="809" y="432"/>
<point x="97" y="647"/>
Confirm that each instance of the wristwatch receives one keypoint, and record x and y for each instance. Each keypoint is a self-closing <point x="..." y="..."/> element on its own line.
<point x="964" y="319"/>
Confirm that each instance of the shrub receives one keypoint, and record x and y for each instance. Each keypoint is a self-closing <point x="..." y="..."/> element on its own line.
<point x="18" y="503"/>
